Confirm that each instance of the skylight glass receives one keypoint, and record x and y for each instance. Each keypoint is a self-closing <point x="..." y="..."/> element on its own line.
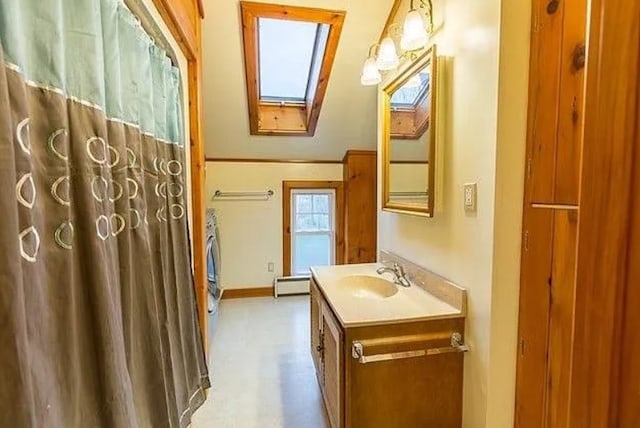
<point x="286" y="50"/>
<point x="412" y="91"/>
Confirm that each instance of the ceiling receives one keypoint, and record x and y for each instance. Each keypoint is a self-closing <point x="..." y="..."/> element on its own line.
<point x="348" y="116"/>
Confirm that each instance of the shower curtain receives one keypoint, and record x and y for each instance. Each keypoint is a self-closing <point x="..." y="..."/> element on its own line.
<point x="98" y="317"/>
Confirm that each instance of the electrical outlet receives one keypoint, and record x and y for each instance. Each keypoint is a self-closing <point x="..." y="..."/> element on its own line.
<point x="470" y="197"/>
<point x="270" y="266"/>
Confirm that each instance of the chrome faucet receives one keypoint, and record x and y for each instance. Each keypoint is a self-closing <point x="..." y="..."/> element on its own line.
<point x="398" y="271"/>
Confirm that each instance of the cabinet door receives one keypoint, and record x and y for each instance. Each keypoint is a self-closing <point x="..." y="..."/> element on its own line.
<point x="360" y="178"/>
<point x="333" y="366"/>
<point x="316" y="329"/>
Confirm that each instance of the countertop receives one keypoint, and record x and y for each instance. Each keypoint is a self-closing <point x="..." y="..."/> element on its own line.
<point x="408" y="304"/>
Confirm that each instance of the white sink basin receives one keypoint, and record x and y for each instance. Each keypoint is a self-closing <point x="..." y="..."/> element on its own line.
<point x="367" y="287"/>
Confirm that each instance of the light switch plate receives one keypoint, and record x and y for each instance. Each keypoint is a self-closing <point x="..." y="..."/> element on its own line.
<point x="270" y="267"/>
<point x="470" y="197"/>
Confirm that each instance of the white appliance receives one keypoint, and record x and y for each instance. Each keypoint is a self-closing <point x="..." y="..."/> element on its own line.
<point x="213" y="260"/>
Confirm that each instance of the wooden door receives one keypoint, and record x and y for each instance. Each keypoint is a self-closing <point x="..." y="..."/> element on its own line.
<point x="316" y="329"/>
<point x="333" y="367"/>
<point x="605" y="376"/>
<point x="551" y="207"/>
<point x="628" y="391"/>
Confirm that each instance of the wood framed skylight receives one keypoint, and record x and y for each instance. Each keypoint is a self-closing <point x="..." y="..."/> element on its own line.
<point x="288" y="54"/>
<point x="410" y="108"/>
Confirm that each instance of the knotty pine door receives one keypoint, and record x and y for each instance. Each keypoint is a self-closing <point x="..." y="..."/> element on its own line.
<point x="551" y="206"/>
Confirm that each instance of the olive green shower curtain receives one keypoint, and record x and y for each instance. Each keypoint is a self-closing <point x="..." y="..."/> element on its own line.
<point x="98" y="318"/>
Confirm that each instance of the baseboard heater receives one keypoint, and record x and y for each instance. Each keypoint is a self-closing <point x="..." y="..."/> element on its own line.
<point x="288" y="285"/>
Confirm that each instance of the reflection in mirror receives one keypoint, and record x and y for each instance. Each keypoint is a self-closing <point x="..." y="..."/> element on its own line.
<point x="409" y="144"/>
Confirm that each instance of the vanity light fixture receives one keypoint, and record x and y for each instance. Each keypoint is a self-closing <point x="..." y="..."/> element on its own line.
<point x="415" y="36"/>
<point x="370" y="73"/>
<point x="387" y="55"/>
<point x="416" y="33"/>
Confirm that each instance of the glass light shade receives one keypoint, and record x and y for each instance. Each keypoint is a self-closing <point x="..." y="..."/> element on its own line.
<point x="415" y="34"/>
<point x="387" y="55"/>
<point x="370" y="73"/>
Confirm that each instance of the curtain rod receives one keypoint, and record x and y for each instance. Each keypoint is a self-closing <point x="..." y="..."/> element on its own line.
<point x="151" y="27"/>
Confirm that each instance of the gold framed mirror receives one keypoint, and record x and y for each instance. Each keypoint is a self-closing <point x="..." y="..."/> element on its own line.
<point x="409" y="137"/>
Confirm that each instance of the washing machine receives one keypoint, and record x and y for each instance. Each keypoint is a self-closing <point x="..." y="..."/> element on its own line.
<point x="213" y="260"/>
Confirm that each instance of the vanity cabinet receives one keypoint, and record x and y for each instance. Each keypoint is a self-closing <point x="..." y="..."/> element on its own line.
<point x="326" y="351"/>
<point x="390" y="383"/>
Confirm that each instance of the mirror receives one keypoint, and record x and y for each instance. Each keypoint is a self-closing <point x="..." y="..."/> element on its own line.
<point x="408" y="152"/>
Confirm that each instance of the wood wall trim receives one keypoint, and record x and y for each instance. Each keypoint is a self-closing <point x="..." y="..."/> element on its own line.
<point x="243" y="293"/>
<point x="605" y="269"/>
<point x="183" y="20"/>
<point x="287" y="187"/>
<point x="286" y="120"/>
<point x="201" y="9"/>
<point x="357" y="152"/>
<point x="409" y="162"/>
<point x="257" y="160"/>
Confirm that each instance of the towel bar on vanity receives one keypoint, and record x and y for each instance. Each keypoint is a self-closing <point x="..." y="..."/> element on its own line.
<point x="457" y="346"/>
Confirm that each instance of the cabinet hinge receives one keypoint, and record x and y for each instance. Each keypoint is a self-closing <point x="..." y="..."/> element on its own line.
<point x="536" y="22"/>
<point x="526" y="240"/>
<point x="521" y="347"/>
<point x="529" y="167"/>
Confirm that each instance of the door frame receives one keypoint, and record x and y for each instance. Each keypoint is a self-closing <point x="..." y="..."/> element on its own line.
<point x="184" y="21"/>
<point x="287" y="187"/>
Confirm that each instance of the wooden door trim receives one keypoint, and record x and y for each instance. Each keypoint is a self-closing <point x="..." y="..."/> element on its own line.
<point x="611" y="143"/>
<point x="187" y="32"/>
<point x="287" y="187"/>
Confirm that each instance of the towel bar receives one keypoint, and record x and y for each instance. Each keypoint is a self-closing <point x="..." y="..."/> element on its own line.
<point x="235" y="195"/>
<point x="457" y="346"/>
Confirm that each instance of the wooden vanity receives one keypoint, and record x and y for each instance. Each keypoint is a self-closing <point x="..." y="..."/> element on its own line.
<point x="385" y="362"/>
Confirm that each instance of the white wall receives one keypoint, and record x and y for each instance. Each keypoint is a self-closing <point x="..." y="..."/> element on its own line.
<point x="482" y="121"/>
<point x="348" y="116"/>
<point x="251" y="231"/>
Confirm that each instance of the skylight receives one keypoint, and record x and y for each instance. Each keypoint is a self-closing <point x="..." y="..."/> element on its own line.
<point x="411" y="92"/>
<point x="288" y="54"/>
<point x="287" y="50"/>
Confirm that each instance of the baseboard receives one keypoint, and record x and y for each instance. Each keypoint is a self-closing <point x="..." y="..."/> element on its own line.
<point x="241" y="293"/>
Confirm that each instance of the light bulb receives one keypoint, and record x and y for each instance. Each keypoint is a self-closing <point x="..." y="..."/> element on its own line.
<point x="415" y="34"/>
<point x="387" y="55"/>
<point x="370" y="73"/>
